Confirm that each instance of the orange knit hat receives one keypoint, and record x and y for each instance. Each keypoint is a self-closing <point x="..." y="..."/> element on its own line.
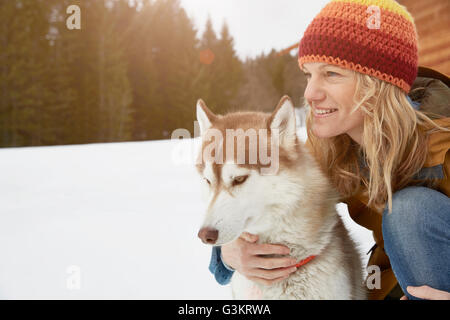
<point x="374" y="37"/>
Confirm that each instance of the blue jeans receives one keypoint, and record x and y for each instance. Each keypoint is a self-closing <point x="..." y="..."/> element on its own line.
<point x="417" y="238"/>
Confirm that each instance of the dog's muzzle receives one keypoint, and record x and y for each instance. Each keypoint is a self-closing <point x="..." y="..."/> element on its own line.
<point x="208" y="235"/>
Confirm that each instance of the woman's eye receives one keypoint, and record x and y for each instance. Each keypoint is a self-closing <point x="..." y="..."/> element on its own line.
<point x="332" y="74"/>
<point x="207" y="181"/>
<point x="307" y="75"/>
<point x="239" y="180"/>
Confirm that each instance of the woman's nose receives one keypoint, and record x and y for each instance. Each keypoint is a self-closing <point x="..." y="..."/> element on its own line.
<point x="314" y="91"/>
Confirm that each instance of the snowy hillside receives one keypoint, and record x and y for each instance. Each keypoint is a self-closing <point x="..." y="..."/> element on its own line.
<point x="106" y="221"/>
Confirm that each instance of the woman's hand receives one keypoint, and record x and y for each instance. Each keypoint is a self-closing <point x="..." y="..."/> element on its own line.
<point x="247" y="257"/>
<point x="426" y="292"/>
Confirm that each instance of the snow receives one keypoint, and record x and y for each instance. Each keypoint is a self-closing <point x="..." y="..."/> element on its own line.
<point x="108" y="221"/>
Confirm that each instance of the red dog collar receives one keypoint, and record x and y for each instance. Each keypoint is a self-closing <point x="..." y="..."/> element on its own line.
<point x="304" y="261"/>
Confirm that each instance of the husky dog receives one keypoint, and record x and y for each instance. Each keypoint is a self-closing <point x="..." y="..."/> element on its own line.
<point x="271" y="186"/>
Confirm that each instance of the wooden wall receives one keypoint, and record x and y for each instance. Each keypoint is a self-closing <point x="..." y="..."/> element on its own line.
<point x="432" y="18"/>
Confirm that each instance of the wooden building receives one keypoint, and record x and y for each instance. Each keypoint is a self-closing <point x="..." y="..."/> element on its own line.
<point x="432" y="19"/>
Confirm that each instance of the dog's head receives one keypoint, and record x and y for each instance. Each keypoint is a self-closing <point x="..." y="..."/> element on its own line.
<point x="240" y="162"/>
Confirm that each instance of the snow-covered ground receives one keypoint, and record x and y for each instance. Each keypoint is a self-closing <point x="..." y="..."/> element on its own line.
<point x="107" y="221"/>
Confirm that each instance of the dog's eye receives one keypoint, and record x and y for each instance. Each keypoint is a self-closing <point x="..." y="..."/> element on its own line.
<point x="207" y="181"/>
<point x="239" y="180"/>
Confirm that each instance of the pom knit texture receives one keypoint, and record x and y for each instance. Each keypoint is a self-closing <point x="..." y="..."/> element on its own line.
<point x="341" y="35"/>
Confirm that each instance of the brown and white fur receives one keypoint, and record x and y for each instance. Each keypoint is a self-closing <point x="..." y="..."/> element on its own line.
<point x="295" y="207"/>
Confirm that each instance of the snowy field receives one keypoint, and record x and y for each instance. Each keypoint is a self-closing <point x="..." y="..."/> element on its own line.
<point x="107" y="221"/>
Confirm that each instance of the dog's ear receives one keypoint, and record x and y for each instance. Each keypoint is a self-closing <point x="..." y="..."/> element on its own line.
<point x="283" y="119"/>
<point x="205" y="117"/>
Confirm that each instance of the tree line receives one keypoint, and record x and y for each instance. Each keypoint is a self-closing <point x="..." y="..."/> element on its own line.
<point x="134" y="71"/>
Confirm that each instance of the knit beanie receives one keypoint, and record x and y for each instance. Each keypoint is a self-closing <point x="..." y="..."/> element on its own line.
<point x="374" y="37"/>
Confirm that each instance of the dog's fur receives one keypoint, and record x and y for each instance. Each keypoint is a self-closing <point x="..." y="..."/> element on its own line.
<point x="295" y="207"/>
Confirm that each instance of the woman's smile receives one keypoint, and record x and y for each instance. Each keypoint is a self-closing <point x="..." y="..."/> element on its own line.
<point x="324" y="113"/>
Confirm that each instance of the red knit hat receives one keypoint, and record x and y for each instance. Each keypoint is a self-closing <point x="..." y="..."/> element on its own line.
<point x="374" y="37"/>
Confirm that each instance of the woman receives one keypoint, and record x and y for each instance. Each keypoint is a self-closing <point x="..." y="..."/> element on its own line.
<point x="389" y="162"/>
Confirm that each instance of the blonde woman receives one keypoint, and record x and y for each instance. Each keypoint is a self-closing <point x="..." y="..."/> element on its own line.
<point x="389" y="159"/>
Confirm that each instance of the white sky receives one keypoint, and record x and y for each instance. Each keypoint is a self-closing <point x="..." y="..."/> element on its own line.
<point x="256" y="25"/>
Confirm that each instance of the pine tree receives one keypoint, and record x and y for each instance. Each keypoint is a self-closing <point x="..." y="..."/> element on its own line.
<point x="102" y="110"/>
<point x="222" y="77"/>
<point x="295" y="81"/>
<point x="181" y="90"/>
<point x="148" y="101"/>
<point x="207" y="71"/>
<point x="23" y="92"/>
<point x="163" y="69"/>
<point x="229" y="69"/>
<point x="7" y="11"/>
<point x="257" y="91"/>
<point x="114" y="91"/>
<point x="63" y="50"/>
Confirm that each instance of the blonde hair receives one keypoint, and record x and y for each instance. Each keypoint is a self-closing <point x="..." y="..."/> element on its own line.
<point x="393" y="147"/>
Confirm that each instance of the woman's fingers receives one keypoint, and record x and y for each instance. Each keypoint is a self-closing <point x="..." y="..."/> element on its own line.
<point x="272" y="274"/>
<point x="267" y="282"/>
<point x="426" y="292"/>
<point x="266" y="249"/>
<point x="271" y="263"/>
<point x="249" y="237"/>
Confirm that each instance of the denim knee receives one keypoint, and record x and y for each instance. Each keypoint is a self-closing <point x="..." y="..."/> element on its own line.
<point x="411" y="210"/>
<point x="408" y="214"/>
<point x="417" y="237"/>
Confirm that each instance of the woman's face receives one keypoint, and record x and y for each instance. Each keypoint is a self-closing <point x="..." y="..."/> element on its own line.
<point x="330" y="92"/>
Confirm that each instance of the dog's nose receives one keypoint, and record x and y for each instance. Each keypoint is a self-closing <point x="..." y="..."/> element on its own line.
<point x="208" y="235"/>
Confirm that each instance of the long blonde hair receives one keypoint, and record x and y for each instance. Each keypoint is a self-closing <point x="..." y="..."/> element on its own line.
<point x="393" y="148"/>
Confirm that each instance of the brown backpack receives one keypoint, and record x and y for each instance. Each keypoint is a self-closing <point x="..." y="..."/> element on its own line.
<point x="431" y="90"/>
